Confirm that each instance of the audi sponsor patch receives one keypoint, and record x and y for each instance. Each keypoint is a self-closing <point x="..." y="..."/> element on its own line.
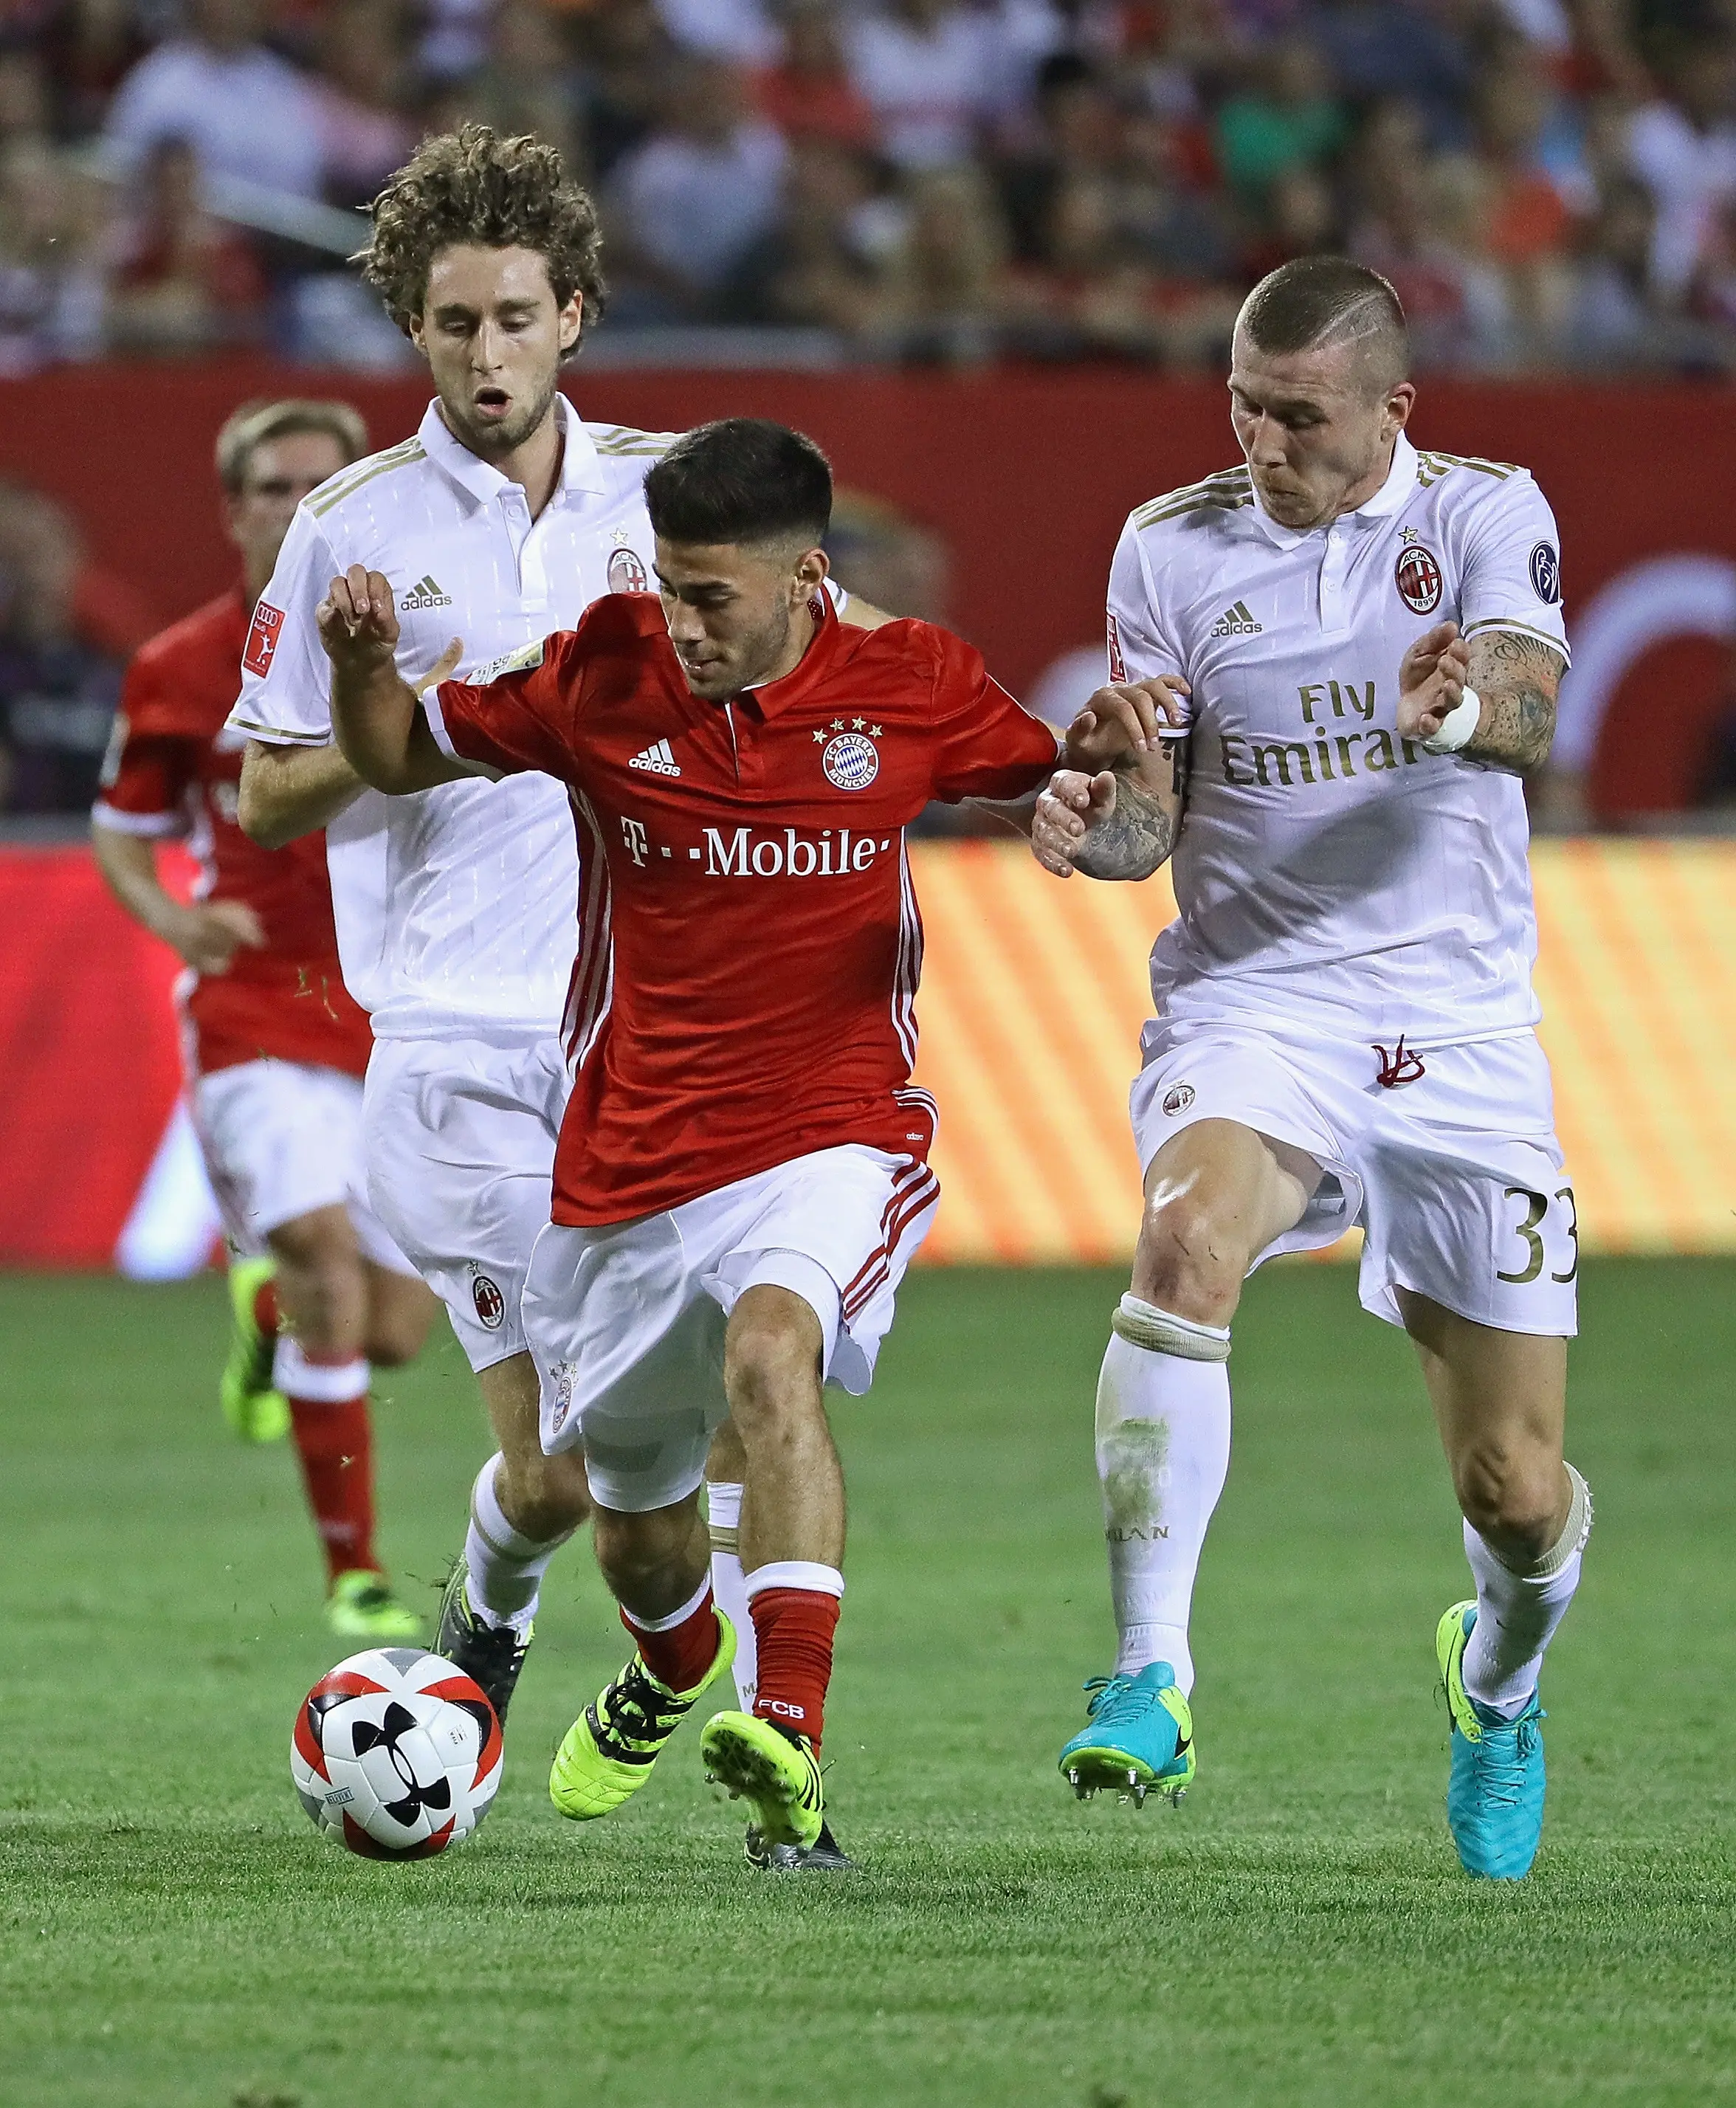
<point x="262" y="638"/>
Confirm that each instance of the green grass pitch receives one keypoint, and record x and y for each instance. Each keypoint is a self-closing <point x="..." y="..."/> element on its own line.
<point x="172" y="1931"/>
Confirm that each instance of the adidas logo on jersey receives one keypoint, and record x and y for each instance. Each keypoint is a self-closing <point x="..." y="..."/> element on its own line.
<point x="1236" y="622"/>
<point x="425" y="593"/>
<point x="657" y="758"/>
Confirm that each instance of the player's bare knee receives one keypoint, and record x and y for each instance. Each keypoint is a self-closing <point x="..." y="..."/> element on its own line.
<point x="543" y="1497"/>
<point x="1188" y="1261"/>
<point x="771" y="1360"/>
<point x="1514" y="1496"/>
<point x="637" y="1549"/>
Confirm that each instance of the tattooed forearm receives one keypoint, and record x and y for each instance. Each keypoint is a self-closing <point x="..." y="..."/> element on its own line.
<point x="1139" y="833"/>
<point x="1518" y="678"/>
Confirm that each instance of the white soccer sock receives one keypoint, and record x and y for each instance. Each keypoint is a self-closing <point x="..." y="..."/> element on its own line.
<point x="729" y="1586"/>
<point x="505" y="1566"/>
<point x="1162" y="1455"/>
<point x="1517" y="1611"/>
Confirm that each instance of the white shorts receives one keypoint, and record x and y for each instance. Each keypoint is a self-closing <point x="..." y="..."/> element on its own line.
<point x="1455" y="1174"/>
<point x="461" y="1148"/>
<point x="281" y="1139"/>
<point x="626" y="1321"/>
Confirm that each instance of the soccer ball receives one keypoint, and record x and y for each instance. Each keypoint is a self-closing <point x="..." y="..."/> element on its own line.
<point x="396" y="1753"/>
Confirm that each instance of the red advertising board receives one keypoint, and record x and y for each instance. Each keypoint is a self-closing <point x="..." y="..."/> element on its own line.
<point x="1027" y="475"/>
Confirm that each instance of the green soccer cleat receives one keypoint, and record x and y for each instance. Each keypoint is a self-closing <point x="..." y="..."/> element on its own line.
<point x="774" y="1769"/>
<point x="1139" y="1739"/>
<point x="362" y="1606"/>
<point x="256" y="1412"/>
<point x="1495" y="1787"/>
<point x="607" y="1753"/>
<point x="490" y="1656"/>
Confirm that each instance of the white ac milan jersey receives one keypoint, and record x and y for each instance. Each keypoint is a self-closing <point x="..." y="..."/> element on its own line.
<point x="457" y="907"/>
<point x="1327" y="872"/>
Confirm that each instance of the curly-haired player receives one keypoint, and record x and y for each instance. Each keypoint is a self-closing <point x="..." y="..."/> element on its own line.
<point x="501" y="520"/>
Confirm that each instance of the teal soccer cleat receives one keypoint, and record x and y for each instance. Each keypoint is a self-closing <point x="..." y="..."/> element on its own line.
<point x="1494" y="1791"/>
<point x="1140" y="1739"/>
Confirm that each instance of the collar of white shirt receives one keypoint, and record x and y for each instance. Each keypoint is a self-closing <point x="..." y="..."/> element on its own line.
<point x="1400" y="481"/>
<point x="581" y="471"/>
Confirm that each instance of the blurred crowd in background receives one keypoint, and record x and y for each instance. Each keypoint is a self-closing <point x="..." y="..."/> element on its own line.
<point x="1549" y="183"/>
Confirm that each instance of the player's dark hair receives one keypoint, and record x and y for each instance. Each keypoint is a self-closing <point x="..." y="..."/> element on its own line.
<point x="742" y="480"/>
<point x="471" y="185"/>
<point x="1314" y="300"/>
<point x="250" y="426"/>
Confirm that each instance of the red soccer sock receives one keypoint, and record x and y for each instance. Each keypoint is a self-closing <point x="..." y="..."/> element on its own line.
<point x="795" y="1628"/>
<point x="333" y="1438"/>
<point x="680" y="1653"/>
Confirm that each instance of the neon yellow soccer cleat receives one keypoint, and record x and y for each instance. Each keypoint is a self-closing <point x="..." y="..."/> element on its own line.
<point x="362" y="1606"/>
<point x="778" y="1772"/>
<point x="256" y="1412"/>
<point x="607" y="1753"/>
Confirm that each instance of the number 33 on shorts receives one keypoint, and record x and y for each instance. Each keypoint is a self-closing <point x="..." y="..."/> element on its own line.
<point x="1541" y="1237"/>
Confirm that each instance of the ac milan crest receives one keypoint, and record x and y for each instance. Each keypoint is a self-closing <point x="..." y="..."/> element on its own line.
<point x="491" y="1305"/>
<point x="627" y="573"/>
<point x="1417" y="578"/>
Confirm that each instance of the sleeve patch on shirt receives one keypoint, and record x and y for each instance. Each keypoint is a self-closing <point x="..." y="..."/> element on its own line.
<point x="509" y="662"/>
<point x="262" y="638"/>
<point x="1546" y="574"/>
<point x="1117" y="664"/>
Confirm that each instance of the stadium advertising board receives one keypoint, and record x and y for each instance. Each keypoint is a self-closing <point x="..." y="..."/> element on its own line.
<point x="1033" y="995"/>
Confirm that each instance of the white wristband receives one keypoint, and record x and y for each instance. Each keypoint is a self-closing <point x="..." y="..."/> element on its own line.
<point x="1457" y="726"/>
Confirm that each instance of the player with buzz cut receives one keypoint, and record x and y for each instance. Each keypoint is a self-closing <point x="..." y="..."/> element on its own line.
<point x="502" y="519"/>
<point x="743" y="1170"/>
<point x="1363" y="644"/>
<point x="276" y="1048"/>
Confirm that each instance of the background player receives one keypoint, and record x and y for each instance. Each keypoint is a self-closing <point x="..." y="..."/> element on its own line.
<point x="276" y="1048"/>
<point x="742" y="1175"/>
<point x="1372" y="640"/>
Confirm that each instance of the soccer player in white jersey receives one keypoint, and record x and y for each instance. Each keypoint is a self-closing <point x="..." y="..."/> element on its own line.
<point x="505" y="516"/>
<point x="1363" y="644"/>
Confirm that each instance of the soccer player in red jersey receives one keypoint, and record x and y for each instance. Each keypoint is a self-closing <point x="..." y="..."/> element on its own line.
<point x="276" y="1048"/>
<point x="743" y="1174"/>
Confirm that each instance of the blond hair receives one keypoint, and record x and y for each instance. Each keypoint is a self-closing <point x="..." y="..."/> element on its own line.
<point x="251" y="426"/>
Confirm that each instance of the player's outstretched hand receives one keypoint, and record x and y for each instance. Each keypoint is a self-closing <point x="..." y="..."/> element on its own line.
<point x="1127" y="717"/>
<point x="1431" y="679"/>
<point x="208" y="933"/>
<point x="357" y="621"/>
<point x="1066" y="810"/>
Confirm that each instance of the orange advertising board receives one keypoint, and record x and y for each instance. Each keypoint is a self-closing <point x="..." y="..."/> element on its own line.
<point x="1034" y="991"/>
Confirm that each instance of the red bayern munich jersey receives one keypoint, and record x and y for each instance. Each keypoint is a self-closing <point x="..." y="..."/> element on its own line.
<point x="749" y="940"/>
<point x="172" y="770"/>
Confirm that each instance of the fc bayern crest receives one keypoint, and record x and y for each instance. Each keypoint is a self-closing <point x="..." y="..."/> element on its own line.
<point x="1417" y="577"/>
<point x="1546" y="574"/>
<point x="851" y="761"/>
<point x="627" y="573"/>
<point x="491" y="1305"/>
<point x="1177" y="1099"/>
